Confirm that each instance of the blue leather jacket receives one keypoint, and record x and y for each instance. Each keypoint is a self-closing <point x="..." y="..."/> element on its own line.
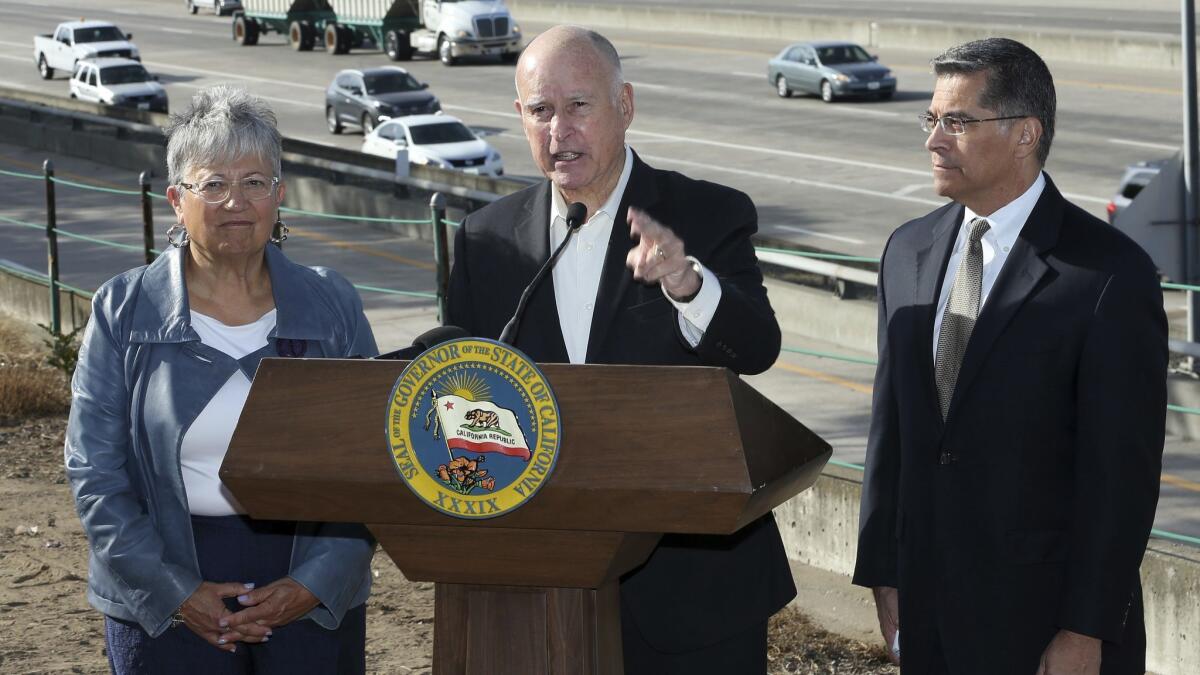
<point x="143" y="377"/>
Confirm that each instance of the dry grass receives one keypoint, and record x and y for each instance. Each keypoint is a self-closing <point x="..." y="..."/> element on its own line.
<point x="795" y="644"/>
<point x="28" y="387"/>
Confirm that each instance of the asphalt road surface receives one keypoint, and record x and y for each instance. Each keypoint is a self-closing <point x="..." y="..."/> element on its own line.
<point x="834" y="176"/>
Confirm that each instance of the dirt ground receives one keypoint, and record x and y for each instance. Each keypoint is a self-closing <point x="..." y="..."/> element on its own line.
<point x="46" y="625"/>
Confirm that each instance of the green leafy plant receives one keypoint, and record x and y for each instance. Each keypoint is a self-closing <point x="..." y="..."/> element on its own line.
<point x="64" y="350"/>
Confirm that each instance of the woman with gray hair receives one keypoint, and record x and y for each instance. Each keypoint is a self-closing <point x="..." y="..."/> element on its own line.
<point x="187" y="582"/>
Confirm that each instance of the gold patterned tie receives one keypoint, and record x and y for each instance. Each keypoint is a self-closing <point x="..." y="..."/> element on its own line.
<point x="961" y="311"/>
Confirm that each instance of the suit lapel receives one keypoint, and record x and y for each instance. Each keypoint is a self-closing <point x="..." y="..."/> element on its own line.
<point x="540" y="334"/>
<point x="930" y="274"/>
<point x="1020" y="275"/>
<point x="615" y="279"/>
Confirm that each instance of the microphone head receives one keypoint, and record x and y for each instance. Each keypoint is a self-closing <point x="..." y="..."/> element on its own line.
<point x="576" y="215"/>
<point x="436" y="336"/>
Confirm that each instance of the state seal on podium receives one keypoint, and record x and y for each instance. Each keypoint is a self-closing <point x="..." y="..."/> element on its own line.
<point x="473" y="428"/>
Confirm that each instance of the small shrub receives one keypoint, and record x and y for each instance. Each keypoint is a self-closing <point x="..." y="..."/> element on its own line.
<point x="29" y="390"/>
<point x="64" y="350"/>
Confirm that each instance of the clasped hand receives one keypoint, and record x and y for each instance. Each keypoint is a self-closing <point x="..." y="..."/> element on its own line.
<point x="276" y="604"/>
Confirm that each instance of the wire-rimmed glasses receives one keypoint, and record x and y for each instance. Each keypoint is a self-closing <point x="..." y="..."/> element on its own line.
<point x="954" y="124"/>
<point x="218" y="190"/>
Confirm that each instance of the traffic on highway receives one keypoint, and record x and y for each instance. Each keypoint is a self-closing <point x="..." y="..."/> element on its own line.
<point x="836" y="176"/>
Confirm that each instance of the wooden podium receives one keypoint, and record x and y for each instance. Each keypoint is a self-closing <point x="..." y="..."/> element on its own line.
<point x="645" y="450"/>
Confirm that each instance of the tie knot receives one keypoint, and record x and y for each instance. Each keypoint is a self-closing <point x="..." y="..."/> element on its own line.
<point x="979" y="226"/>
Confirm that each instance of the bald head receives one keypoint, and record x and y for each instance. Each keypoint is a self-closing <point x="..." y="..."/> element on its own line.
<point x="572" y="42"/>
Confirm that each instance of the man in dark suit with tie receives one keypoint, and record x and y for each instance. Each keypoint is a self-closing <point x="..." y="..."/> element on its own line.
<point x="663" y="272"/>
<point x="1017" y="426"/>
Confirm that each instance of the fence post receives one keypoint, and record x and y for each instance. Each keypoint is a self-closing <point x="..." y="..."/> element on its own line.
<point x="441" y="252"/>
<point x="52" y="247"/>
<point x="147" y="217"/>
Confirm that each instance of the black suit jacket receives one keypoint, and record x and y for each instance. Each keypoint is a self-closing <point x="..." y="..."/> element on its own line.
<point x="693" y="591"/>
<point x="1029" y="508"/>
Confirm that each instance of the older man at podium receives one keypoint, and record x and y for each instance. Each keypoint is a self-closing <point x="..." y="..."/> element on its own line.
<point x="660" y="270"/>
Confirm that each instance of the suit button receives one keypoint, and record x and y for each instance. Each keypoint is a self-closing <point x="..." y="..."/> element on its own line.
<point x="945" y="457"/>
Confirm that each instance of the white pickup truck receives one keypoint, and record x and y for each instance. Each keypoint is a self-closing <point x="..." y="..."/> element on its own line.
<point x="74" y="41"/>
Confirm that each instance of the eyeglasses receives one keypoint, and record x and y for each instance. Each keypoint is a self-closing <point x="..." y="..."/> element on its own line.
<point x="955" y="126"/>
<point x="217" y="191"/>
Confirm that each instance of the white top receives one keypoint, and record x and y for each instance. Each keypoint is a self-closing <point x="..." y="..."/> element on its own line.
<point x="1006" y="225"/>
<point x="207" y="439"/>
<point x="577" y="273"/>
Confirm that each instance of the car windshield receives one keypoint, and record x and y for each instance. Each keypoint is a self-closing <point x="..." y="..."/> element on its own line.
<point x="441" y="132"/>
<point x="839" y="54"/>
<point x="387" y="83"/>
<point x="98" y="34"/>
<point x="124" y="75"/>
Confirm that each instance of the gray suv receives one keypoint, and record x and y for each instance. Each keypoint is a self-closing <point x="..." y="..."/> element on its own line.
<point x="364" y="98"/>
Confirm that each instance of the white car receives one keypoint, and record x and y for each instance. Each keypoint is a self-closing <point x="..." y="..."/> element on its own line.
<point x="435" y="140"/>
<point x="118" y="82"/>
<point x="74" y="41"/>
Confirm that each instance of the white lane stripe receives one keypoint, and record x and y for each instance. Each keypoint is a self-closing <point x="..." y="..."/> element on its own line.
<point x="180" y="31"/>
<point x="647" y="85"/>
<point x="757" y="76"/>
<point x="1144" y="144"/>
<point x="1084" y="198"/>
<point x="866" y="111"/>
<point x="22" y="59"/>
<point x="909" y="189"/>
<point x="798" y="181"/>
<point x="23" y="45"/>
<point x="814" y="233"/>
<point x="289" y="101"/>
<point x="233" y="76"/>
<point x="731" y="145"/>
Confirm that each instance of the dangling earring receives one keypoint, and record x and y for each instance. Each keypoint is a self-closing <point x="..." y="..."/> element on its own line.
<point x="177" y="236"/>
<point x="281" y="232"/>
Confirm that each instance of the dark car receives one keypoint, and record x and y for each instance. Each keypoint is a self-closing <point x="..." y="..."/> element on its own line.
<point x="831" y="70"/>
<point x="364" y="98"/>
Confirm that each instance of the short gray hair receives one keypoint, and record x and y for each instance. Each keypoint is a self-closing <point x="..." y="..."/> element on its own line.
<point x="1018" y="81"/>
<point x="222" y="124"/>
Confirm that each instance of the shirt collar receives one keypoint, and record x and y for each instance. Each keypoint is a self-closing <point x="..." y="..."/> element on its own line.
<point x="1007" y="221"/>
<point x="558" y="206"/>
<point x="163" y="315"/>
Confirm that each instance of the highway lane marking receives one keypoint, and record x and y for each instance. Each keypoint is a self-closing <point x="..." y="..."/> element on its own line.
<point x="798" y="181"/>
<point x="235" y="76"/>
<point x="360" y="248"/>
<point x="289" y="101"/>
<point x="1144" y="144"/>
<point x="825" y="377"/>
<point x="757" y="76"/>
<point x="1179" y="482"/>
<point x="814" y="233"/>
<point x="909" y="189"/>
<point x="647" y="85"/>
<point x="180" y="31"/>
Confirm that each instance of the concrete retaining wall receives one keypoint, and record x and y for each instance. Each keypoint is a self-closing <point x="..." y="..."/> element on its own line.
<point x="29" y="300"/>
<point x="820" y="528"/>
<point x="1102" y="48"/>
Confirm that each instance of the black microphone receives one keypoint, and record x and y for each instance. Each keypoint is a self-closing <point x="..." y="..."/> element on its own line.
<point x="576" y="216"/>
<point x="430" y="338"/>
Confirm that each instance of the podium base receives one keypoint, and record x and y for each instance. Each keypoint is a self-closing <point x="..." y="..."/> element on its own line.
<point x="526" y="630"/>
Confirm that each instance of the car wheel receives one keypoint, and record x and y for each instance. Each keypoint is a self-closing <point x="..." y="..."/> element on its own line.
<point x="826" y="91"/>
<point x="191" y="7"/>
<point x="368" y="124"/>
<point x="217" y="8"/>
<point x="781" y="86"/>
<point x="44" y="68"/>
<point x="444" y="53"/>
<point x="331" y="39"/>
<point x="331" y="119"/>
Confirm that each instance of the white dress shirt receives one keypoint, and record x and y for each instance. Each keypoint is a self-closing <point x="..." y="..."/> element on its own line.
<point x="577" y="273"/>
<point x="1006" y="224"/>
<point x="207" y="439"/>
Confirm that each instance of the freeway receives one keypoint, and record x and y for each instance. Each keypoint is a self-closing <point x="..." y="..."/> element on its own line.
<point x="1151" y="16"/>
<point x="837" y="177"/>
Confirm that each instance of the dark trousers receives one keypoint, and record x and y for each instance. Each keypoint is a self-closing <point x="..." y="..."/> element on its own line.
<point x="744" y="653"/>
<point x="240" y="549"/>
